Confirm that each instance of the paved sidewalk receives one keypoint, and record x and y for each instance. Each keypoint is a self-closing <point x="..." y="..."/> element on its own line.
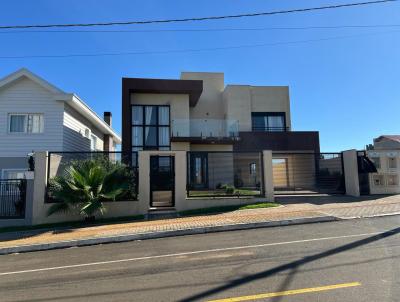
<point x="294" y="209"/>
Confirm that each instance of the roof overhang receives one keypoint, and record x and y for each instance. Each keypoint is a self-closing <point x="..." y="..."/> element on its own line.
<point x="76" y="103"/>
<point x="193" y="88"/>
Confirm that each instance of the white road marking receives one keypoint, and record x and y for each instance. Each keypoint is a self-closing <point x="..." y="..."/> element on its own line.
<point x="184" y="254"/>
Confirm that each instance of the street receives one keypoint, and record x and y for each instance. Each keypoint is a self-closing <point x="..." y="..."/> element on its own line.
<point x="354" y="260"/>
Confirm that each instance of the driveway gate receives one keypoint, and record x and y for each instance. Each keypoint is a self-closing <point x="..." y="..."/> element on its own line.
<point x="308" y="173"/>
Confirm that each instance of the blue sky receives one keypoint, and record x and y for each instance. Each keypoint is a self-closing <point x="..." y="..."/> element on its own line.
<point x="345" y="87"/>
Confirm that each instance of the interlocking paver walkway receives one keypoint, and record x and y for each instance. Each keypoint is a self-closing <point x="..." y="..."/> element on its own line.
<point x="292" y="207"/>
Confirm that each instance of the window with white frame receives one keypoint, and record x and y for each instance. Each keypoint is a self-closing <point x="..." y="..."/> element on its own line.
<point x="25" y="123"/>
<point x="392" y="163"/>
<point x="93" y="142"/>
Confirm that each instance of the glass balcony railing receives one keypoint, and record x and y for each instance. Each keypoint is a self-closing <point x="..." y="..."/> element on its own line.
<point x="204" y="128"/>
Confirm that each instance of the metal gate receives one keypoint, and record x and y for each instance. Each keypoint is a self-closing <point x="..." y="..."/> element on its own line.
<point x="162" y="181"/>
<point x="365" y="166"/>
<point x="224" y="173"/>
<point x="308" y="173"/>
<point x="12" y="198"/>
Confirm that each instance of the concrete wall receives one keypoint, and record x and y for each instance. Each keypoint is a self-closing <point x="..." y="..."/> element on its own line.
<point x="351" y="173"/>
<point x="241" y="100"/>
<point x="40" y="207"/>
<point x="210" y="104"/>
<point x="37" y="207"/>
<point x="236" y="102"/>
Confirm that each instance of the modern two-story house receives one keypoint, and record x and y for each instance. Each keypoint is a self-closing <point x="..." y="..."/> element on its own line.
<point x="37" y="116"/>
<point x="198" y="113"/>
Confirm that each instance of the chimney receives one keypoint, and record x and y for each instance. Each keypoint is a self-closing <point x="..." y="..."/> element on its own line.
<point x="108" y="117"/>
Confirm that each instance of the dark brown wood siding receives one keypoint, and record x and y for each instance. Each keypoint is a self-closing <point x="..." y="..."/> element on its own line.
<point x="278" y="141"/>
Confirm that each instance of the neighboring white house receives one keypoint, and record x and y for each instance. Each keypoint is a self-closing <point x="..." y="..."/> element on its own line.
<point x="37" y="116"/>
<point x="386" y="156"/>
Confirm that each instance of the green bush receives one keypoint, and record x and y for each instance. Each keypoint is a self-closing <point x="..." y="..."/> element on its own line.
<point x="86" y="184"/>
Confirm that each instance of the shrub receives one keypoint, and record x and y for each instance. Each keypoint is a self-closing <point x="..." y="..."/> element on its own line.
<point x="87" y="184"/>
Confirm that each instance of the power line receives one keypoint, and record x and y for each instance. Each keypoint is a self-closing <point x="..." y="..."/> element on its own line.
<point x="298" y="10"/>
<point x="207" y="29"/>
<point x="191" y="50"/>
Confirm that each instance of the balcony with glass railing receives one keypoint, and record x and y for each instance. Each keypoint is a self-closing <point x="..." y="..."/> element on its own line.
<point x="204" y="129"/>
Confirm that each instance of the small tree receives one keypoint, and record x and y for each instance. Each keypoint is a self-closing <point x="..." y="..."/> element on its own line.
<point x="86" y="185"/>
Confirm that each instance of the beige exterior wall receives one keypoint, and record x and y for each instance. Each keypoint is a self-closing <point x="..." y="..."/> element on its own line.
<point x="268" y="175"/>
<point x="210" y="104"/>
<point x="219" y="107"/>
<point x="387" y="180"/>
<point x="351" y="173"/>
<point x="241" y="100"/>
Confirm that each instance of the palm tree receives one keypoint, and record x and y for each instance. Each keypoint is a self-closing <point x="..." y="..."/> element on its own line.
<point x="86" y="185"/>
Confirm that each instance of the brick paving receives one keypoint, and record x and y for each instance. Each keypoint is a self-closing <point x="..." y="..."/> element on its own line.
<point x="292" y="207"/>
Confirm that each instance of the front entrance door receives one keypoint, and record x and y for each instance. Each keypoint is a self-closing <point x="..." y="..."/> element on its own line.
<point x="162" y="181"/>
<point x="199" y="170"/>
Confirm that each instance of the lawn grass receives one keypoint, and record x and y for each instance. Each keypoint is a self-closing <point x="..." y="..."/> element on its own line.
<point x="72" y="224"/>
<point x="223" y="209"/>
<point x="237" y="192"/>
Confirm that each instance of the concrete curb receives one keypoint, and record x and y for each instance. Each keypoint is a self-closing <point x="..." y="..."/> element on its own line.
<point x="162" y="234"/>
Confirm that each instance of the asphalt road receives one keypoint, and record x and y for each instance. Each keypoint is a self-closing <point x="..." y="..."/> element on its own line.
<point x="355" y="260"/>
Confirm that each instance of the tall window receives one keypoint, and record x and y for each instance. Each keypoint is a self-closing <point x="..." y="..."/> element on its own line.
<point x="150" y="127"/>
<point x="268" y="121"/>
<point x="392" y="163"/>
<point x="25" y="123"/>
<point x="93" y="143"/>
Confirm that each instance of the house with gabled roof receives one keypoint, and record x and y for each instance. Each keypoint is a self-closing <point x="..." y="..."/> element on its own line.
<point x="37" y="116"/>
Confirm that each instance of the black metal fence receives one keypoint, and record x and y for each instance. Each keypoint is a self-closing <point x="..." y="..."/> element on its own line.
<point x="220" y="173"/>
<point x="308" y="173"/>
<point x="59" y="162"/>
<point x="12" y="198"/>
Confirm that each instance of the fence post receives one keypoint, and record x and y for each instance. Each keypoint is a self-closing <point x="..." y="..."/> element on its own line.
<point x="144" y="181"/>
<point x="29" y="201"/>
<point x="351" y="172"/>
<point x="39" y="187"/>
<point x="268" y="175"/>
<point x="180" y="180"/>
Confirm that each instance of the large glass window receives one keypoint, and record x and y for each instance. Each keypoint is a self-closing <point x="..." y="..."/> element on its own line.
<point x="268" y="121"/>
<point x="150" y="127"/>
